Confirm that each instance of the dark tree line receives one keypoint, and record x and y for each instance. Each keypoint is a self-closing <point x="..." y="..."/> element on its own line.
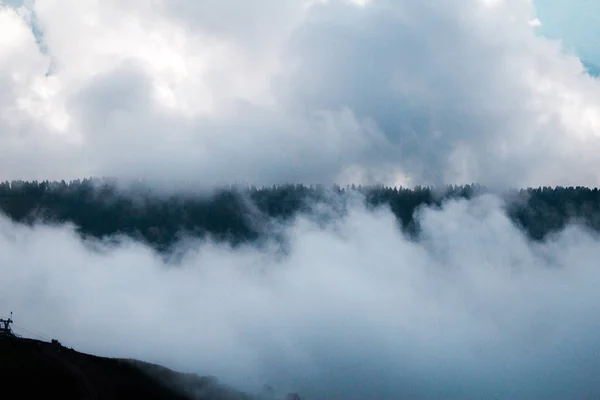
<point x="97" y="208"/>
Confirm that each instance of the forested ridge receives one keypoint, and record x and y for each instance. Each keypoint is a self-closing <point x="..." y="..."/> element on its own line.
<point x="99" y="208"/>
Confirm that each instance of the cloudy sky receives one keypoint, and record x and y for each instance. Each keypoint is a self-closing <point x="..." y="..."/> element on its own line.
<point x="574" y="23"/>
<point x="390" y="91"/>
<point x="300" y="91"/>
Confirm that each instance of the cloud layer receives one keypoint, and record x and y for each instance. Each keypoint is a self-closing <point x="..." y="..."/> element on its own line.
<point x="573" y="23"/>
<point x="472" y="309"/>
<point x="392" y="91"/>
<point x="289" y="91"/>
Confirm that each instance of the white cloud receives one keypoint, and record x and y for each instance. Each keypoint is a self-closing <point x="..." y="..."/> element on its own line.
<point x="355" y="310"/>
<point x="311" y="91"/>
<point x="574" y="23"/>
<point x="451" y="92"/>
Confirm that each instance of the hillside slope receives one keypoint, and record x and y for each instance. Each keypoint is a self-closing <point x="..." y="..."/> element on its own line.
<point x="36" y="369"/>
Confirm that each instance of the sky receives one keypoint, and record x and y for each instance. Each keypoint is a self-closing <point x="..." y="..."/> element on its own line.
<point x="574" y="23"/>
<point x="311" y="91"/>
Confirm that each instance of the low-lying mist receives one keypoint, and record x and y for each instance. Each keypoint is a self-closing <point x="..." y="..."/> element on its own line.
<point x="352" y="309"/>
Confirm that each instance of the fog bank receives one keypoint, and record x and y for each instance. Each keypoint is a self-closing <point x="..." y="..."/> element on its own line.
<point x="355" y="310"/>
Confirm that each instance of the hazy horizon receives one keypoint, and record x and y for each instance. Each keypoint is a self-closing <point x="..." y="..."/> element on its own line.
<point x="348" y="304"/>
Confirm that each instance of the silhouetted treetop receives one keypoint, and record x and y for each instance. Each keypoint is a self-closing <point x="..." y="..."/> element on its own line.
<point x="101" y="209"/>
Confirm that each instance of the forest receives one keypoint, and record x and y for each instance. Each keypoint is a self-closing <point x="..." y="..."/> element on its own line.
<point x="100" y="208"/>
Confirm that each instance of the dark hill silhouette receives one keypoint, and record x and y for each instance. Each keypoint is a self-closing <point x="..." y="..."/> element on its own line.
<point x="32" y="369"/>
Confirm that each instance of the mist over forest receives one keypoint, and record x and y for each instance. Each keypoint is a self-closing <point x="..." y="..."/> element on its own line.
<point x="394" y="284"/>
<point x="331" y="292"/>
<point x="238" y="214"/>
